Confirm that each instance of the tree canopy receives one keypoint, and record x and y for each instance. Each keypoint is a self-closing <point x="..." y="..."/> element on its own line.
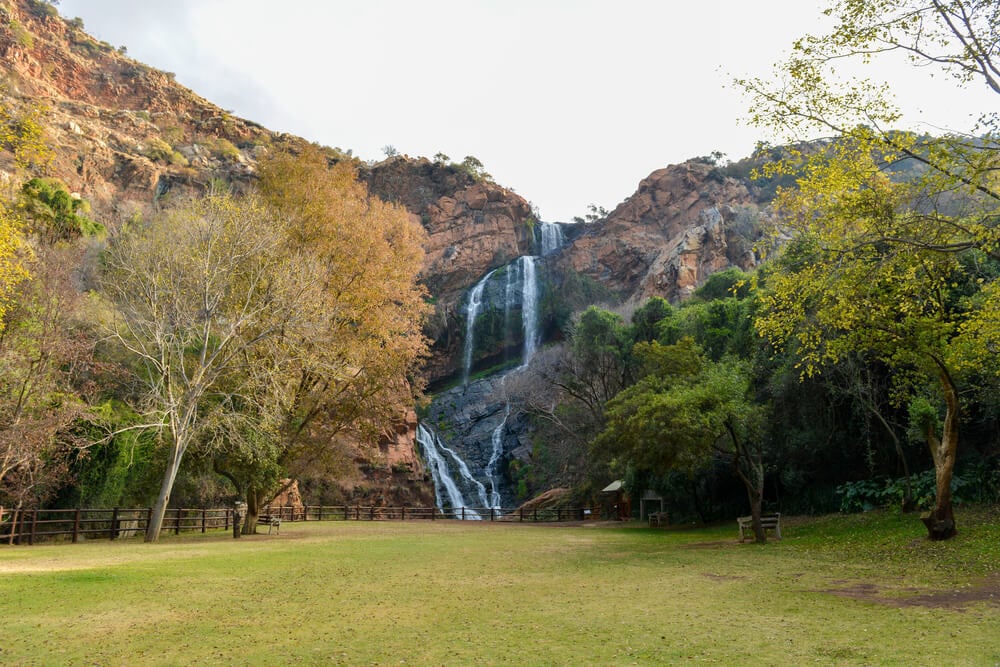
<point x="875" y="256"/>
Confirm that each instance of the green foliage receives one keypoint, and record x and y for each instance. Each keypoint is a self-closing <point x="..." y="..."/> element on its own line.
<point x="979" y="482"/>
<point x="22" y="132"/>
<point x="44" y="8"/>
<point x="471" y="166"/>
<point x="222" y="148"/>
<point x="120" y="469"/>
<point x="159" y="150"/>
<point x="53" y="213"/>
<point x="21" y="35"/>
<point x="572" y="294"/>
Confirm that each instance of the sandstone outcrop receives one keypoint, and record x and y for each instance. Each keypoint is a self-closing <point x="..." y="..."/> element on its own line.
<point x="123" y="134"/>
<point x="473" y="226"/>
<point x="684" y="223"/>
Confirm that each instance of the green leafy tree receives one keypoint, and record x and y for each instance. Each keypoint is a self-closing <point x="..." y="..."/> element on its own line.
<point x="685" y="411"/>
<point x="53" y="213"/>
<point x="877" y="251"/>
<point x="194" y="293"/>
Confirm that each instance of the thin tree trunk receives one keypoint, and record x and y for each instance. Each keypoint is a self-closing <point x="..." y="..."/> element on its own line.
<point x="160" y="508"/>
<point x="750" y="470"/>
<point x="940" y="521"/>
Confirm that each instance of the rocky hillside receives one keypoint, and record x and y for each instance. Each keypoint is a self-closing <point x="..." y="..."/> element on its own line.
<point x="124" y="134"/>
<point x="684" y="223"/>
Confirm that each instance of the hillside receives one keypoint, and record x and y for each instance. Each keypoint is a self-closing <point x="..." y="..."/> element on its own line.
<point x="129" y="139"/>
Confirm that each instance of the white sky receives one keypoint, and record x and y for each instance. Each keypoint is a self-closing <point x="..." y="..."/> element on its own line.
<point x="568" y="102"/>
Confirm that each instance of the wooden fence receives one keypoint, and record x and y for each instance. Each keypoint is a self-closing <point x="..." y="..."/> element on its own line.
<point x="28" y="526"/>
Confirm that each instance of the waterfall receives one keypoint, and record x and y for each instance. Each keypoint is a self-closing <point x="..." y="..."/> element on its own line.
<point x="529" y="308"/>
<point x="454" y="484"/>
<point x="472" y="309"/>
<point x="495" y="456"/>
<point x="446" y="489"/>
<point x="552" y="237"/>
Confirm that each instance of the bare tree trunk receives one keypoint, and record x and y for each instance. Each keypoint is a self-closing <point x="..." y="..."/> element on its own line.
<point x="749" y="466"/>
<point x="160" y="508"/>
<point x="940" y="521"/>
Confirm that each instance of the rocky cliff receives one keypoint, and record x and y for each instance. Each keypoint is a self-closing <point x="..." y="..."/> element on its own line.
<point x="124" y="135"/>
<point x="684" y="223"/>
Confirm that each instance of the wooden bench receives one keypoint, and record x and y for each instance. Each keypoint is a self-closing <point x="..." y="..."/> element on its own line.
<point x="271" y="521"/>
<point x="658" y="519"/>
<point x="770" y="522"/>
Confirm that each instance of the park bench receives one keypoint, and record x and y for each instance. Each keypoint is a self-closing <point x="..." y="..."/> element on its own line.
<point x="770" y="522"/>
<point x="658" y="519"/>
<point x="271" y="521"/>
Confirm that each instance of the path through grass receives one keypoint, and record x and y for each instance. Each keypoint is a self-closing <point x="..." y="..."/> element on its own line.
<point x="840" y="590"/>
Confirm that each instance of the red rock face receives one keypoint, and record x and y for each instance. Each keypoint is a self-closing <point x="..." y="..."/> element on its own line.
<point x="684" y="223"/>
<point x="472" y="226"/>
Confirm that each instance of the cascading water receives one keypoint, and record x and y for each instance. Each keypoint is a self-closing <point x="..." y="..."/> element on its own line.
<point x="472" y="309"/>
<point x="491" y="468"/>
<point x="446" y="489"/>
<point x="451" y="474"/>
<point x="529" y="308"/>
<point x="552" y="237"/>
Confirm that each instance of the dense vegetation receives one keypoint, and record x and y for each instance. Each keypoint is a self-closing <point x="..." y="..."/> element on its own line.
<point x="874" y="326"/>
<point x="245" y="337"/>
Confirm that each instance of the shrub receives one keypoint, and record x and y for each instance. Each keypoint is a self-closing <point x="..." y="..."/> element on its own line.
<point x="21" y="35"/>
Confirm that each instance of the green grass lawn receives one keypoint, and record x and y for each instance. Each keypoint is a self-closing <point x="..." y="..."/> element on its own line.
<point x="863" y="589"/>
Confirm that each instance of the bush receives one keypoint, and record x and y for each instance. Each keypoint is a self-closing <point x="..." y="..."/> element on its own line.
<point x="979" y="482"/>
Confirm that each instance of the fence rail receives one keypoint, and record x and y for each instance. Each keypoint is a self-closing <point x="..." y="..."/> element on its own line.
<point x="28" y="526"/>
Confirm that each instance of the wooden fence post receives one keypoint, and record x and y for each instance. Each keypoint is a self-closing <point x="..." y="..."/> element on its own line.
<point x="113" y="530"/>
<point x="177" y="522"/>
<point x="204" y="518"/>
<point x="34" y="527"/>
<point x="76" y="524"/>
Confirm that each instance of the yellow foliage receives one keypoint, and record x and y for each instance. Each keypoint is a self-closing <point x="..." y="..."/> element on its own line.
<point x="15" y="255"/>
<point x="368" y="313"/>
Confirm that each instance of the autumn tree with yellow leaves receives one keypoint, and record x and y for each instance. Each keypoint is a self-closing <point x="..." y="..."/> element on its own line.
<point x="895" y="236"/>
<point x="262" y="328"/>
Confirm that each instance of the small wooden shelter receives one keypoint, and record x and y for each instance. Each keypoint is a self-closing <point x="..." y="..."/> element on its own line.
<point x="615" y="503"/>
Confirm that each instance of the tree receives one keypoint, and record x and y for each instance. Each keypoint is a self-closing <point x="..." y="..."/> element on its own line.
<point x="877" y="249"/>
<point x="194" y="293"/>
<point x="347" y="366"/>
<point x="44" y="353"/>
<point x="53" y="213"/>
<point x="685" y="411"/>
<point x="15" y="254"/>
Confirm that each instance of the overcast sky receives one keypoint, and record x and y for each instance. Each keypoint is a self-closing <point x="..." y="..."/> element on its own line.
<point x="568" y="102"/>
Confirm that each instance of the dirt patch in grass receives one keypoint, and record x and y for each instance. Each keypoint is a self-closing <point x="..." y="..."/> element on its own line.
<point x="985" y="590"/>
<point x="721" y="544"/>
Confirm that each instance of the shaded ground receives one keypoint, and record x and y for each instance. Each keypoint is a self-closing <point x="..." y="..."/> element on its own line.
<point x="985" y="590"/>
